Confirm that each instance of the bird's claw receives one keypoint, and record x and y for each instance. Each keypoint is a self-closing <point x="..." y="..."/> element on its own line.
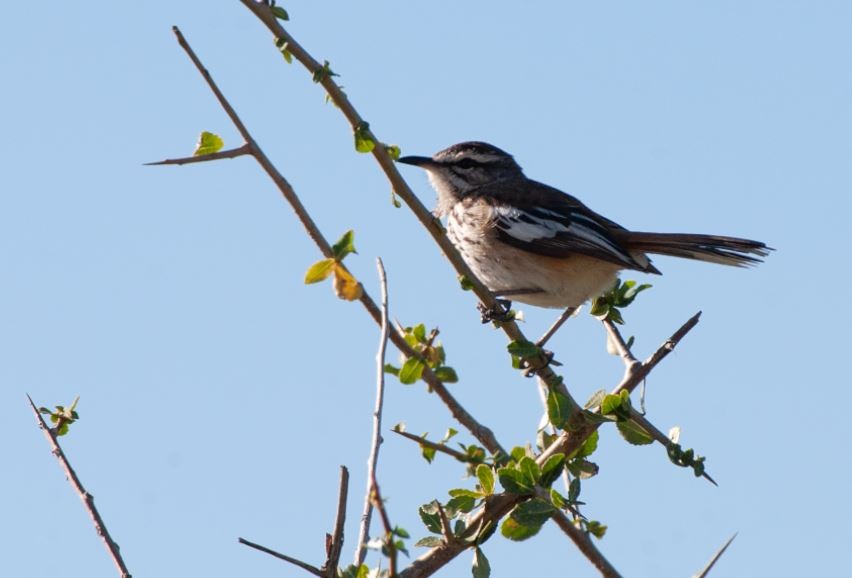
<point x="501" y="312"/>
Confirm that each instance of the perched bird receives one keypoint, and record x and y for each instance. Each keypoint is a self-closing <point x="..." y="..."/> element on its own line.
<point x="535" y="244"/>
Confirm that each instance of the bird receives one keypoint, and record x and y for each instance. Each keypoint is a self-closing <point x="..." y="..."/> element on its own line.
<point x="533" y="243"/>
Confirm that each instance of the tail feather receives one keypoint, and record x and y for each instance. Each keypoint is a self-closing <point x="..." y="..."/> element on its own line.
<point x="712" y="248"/>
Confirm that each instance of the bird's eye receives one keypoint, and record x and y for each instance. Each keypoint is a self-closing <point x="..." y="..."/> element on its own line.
<point x="467" y="164"/>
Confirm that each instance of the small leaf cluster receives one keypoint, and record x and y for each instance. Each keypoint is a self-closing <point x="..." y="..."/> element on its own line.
<point x="622" y="294"/>
<point x="686" y="459"/>
<point x="523" y="476"/>
<point x="618" y="408"/>
<point x="522" y="352"/>
<point x="208" y="143"/>
<point x="345" y="285"/>
<point x="430" y="353"/>
<point x="387" y="544"/>
<point x="62" y="417"/>
<point x="323" y="72"/>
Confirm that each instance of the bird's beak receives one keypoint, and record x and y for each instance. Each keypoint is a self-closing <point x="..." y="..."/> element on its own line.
<point x="423" y="162"/>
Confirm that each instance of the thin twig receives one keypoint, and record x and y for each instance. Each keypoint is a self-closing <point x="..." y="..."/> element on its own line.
<point x="87" y="498"/>
<point x="373" y="460"/>
<point x="706" y="570"/>
<point x="620" y="345"/>
<point x="445" y="523"/>
<point x="435" y="446"/>
<point x="585" y="544"/>
<point x="566" y="315"/>
<point x="480" y="432"/>
<point x="658" y="435"/>
<point x="386" y="524"/>
<point x="294" y="561"/>
<point x="228" y="154"/>
<point x="334" y="542"/>
<point x="632" y="378"/>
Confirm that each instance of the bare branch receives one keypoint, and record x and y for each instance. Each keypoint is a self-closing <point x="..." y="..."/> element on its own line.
<point x="228" y="154"/>
<point x="386" y="524"/>
<point x="294" y="561"/>
<point x="634" y="378"/>
<point x="373" y="460"/>
<point x="706" y="570"/>
<point x="334" y="542"/>
<point x="566" y="315"/>
<point x="479" y="431"/>
<point x="443" y="448"/>
<point x="87" y="498"/>
<point x="620" y="345"/>
<point x="585" y="544"/>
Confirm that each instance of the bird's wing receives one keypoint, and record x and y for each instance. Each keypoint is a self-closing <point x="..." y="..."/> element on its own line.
<point x="546" y="221"/>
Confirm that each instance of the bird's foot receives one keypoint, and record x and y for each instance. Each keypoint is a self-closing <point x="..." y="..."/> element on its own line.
<point x="501" y="312"/>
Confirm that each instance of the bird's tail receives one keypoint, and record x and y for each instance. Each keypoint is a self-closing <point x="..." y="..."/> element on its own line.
<point x="713" y="248"/>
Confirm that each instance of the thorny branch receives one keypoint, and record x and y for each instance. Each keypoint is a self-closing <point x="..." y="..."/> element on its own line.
<point x="500" y="504"/>
<point x="479" y="431"/>
<point x="87" y="498"/>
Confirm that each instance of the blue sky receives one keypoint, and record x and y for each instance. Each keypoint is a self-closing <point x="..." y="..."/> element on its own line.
<point x="219" y="394"/>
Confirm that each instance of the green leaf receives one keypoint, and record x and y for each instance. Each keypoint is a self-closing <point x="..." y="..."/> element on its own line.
<point x="514" y="482"/>
<point x="551" y="469"/>
<point x="465" y="282"/>
<point x="557" y="499"/>
<point x="485" y="475"/>
<point x="596" y="529"/>
<point x="394" y="201"/>
<point x="633" y="433"/>
<point x="364" y="142"/>
<point x="574" y="490"/>
<point x="589" y="446"/>
<point x="459" y="504"/>
<point x="283" y="47"/>
<point x="411" y="371"/>
<point x="513" y="530"/>
<point x="208" y="143"/>
<point x="481" y="567"/>
<point x="611" y="404"/>
<point x="596" y="399"/>
<point x="323" y="72"/>
<point x="429" y="542"/>
<point x="430" y="516"/>
<point x="319" y="271"/>
<point x="419" y="332"/>
<point x="523" y="349"/>
<point x="344" y="245"/>
<point x="393" y="151"/>
<point x="451" y="432"/>
<point x="401" y="532"/>
<point x="280" y="13"/>
<point x="530" y="469"/>
<point x="582" y="468"/>
<point x="392" y="369"/>
<point x="558" y="408"/>
<point x="428" y="453"/>
<point x="533" y="512"/>
<point x="353" y="571"/>
<point x="446" y="374"/>
<point x="464" y="492"/>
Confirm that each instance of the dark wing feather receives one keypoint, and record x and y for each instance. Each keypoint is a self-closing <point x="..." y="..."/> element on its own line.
<point x="546" y="221"/>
